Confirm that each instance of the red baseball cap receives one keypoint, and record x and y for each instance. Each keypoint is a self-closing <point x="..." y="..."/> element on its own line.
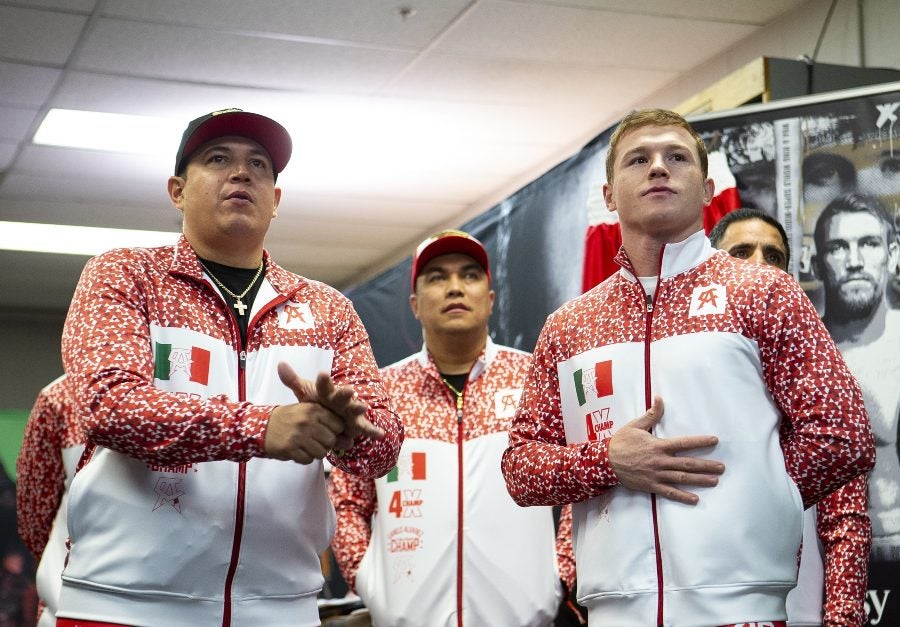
<point x="264" y="131"/>
<point x="444" y="243"/>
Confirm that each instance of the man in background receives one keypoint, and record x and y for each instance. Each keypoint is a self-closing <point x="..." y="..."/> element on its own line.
<point x="447" y="545"/>
<point x="839" y="525"/>
<point x="856" y="247"/>
<point x="51" y="447"/>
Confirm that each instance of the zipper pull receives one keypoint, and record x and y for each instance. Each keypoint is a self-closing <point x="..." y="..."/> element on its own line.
<point x="242" y="360"/>
<point x="649" y="303"/>
<point x="459" y="406"/>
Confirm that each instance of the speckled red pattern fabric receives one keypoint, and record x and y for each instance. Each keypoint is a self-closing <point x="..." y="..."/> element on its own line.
<point x="428" y="409"/>
<point x="844" y="528"/>
<point x="802" y="369"/>
<point x="41" y="475"/>
<point x="109" y="359"/>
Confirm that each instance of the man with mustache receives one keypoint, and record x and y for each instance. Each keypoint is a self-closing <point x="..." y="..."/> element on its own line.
<point x="201" y="497"/>
<point x="856" y="248"/>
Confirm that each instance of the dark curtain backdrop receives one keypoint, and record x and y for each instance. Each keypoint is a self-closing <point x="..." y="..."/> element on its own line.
<point x="535" y="241"/>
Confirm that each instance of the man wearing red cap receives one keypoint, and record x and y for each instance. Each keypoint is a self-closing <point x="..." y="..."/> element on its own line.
<point x="446" y="543"/>
<point x="187" y="508"/>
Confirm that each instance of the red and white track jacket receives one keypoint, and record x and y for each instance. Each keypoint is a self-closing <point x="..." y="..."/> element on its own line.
<point x="51" y="447"/>
<point x="177" y="518"/>
<point x="447" y="545"/>
<point x="730" y="347"/>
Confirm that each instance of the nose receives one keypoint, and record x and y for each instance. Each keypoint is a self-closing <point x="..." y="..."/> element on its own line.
<point x="854" y="258"/>
<point x="658" y="166"/>
<point x="454" y="284"/>
<point x="757" y="256"/>
<point x="240" y="171"/>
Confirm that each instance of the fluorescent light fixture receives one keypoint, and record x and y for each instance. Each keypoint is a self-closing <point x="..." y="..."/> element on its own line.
<point x="76" y="240"/>
<point x="112" y="132"/>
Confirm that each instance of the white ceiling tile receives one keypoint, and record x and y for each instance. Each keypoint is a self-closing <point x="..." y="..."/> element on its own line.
<point x="758" y="12"/>
<point x="7" y="152"/>
<point x="371" y="210"/>
<point x="373" y="22"/>
<point x="130" y="195"/>
<point x="106" y="212"/>
<point x="501" y="29"/>
<point x="26" y="85"/>
<point x="15" y="123"/>
<point x="172" y="99"/>
<point x="209" y="57"/>
<point x="38" y="36"/>
<point x="71" y="6"/>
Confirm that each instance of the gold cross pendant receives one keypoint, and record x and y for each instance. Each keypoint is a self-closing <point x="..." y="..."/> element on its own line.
<point x="241" y="307"/>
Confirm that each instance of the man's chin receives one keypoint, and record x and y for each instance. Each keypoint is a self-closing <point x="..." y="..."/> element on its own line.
<point x="856" y="304"/>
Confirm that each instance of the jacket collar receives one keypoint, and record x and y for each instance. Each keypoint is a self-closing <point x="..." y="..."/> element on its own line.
<point x="185" y="262"/>
<point x="677" y="257"/>
<point x="486" y="357"/>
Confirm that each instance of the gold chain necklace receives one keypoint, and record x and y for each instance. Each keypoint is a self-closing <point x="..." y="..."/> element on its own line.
<point x="240" y="306"/>
<point x="459" y="397"/>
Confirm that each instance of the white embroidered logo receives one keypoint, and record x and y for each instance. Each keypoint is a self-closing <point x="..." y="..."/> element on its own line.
<point x="707" y="300"/>
<point x="505" y="402"/>
<point x="296" y="316"/>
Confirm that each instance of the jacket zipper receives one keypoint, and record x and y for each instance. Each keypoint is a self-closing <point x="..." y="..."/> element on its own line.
<point x="459" y="498"/>
<point x="242" y="478"/>
<point x="240" y="498"/>
<point x="648" y="402"/>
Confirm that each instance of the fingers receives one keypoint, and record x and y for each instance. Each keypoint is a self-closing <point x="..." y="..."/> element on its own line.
<point x="342" y="413"/>
<point x="688" y="443"/>
<point x="324" y="386"/>
<point x="302" y="389"/>
<point x="679" y="496"/>
<point x="652" y="417"/>
<point x="680" y="477"/>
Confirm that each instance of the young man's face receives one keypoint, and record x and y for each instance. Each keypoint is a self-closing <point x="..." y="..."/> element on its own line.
<point x="452" y="296"/>
<point x="756" y="241"/>
<point x="853" y="264"/>
<point x="658" y="186"/>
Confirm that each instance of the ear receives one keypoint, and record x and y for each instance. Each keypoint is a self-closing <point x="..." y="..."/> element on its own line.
<point x="175" y="188"/>
<point x="277" y="201"/>
<point x="815" y="267"/>
<point x="894" y="258"/>
<point x="414" y="306"/>
<point x="709" y="191"/>
<point x="608" y="197"/>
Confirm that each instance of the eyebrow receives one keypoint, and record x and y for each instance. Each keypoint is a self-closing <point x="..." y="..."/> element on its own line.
<point x="666" y="147"/>
<point x="440" y="268"/>
<point x="254" y="152"/>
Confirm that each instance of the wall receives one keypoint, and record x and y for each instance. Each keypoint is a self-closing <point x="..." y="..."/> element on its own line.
<point x="31" y="347"/>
